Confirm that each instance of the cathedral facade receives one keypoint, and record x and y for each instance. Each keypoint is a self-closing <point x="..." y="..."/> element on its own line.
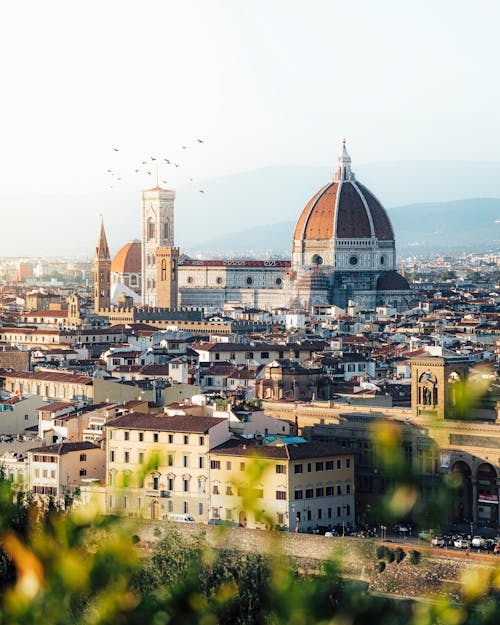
<point x="343" y="249"/>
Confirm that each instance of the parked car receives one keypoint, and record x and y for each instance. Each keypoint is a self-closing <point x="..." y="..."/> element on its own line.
<point x="478" y="542"/>
<point x="438" y="541"/>
<point x="425" y="535"/>
<point x="332" y="534"/>
<point x="462" y="543"/>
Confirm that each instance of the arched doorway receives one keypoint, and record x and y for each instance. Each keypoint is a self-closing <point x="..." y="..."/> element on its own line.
<point x="487" y="495"/>
<point x="155" y="510"/>
<point x="463" y="501"/>
<point x="242" y="518"/>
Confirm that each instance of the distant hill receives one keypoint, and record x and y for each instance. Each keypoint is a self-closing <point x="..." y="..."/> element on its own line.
<point x="462" y="224"/>
<point x="254" y="200"/>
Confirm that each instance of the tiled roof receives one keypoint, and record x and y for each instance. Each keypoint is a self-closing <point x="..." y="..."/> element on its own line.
<point x="51" y="376"/>
<point x="313" y="449"/>
<point x="64" y="448"/>
<point x="176" y="423"/>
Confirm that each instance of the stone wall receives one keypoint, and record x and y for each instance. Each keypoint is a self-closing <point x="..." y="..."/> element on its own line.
<point x="435" y="574"/>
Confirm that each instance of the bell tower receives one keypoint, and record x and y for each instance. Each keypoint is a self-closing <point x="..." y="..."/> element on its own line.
<point x="102" y="272"/>
<point x="157" y="232"/>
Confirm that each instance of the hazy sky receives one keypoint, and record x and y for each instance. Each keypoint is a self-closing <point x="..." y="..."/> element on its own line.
<point x="262" y="82"/>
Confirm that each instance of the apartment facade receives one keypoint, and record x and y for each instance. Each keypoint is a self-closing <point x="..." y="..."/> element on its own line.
<point x="303" y="486"/>
<point x="174" y="449"/>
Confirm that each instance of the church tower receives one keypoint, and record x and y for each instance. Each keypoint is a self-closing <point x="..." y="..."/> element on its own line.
<point x="102" y="272"/>
<point x="157" y="232"/>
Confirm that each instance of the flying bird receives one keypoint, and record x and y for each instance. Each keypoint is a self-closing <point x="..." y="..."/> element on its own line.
<point x="153" y="158"/>
<point x="190" y="180"/>
<point x="201" y="191"/>
<point x="166" y="160"/>
<point x="109" y="171"/>
<point x="183" y="147"/>
<point x="177" y="164"/>
<point x="137" y="170"/>
<point x="144" y="162"/>
<point x="200" y="141"/>
<point x="164" y="182"/>
<point x="116" y="149"/>
<point x="148" y="172"/>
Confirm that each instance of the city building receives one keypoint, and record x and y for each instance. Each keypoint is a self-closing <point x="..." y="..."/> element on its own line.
<point x="303" y="485"/>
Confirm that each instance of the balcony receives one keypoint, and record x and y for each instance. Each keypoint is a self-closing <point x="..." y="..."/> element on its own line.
<point x="164" y="494"/>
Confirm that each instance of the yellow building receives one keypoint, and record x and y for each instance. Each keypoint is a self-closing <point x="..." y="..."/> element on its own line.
<point x="304" y="486"/>
<point x="178" y="483"/>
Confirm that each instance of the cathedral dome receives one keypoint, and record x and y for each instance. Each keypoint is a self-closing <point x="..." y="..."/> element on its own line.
<point x="343" y="209"/>
<point x="128" y="259"/>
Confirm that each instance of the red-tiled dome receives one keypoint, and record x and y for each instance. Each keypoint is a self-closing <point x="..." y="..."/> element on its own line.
<point x="128" y="259"/>
<point x="344" y="209"/>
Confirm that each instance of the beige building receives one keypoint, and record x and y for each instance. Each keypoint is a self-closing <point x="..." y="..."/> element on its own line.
<point x="304" y="486"/>
<point x="178" y="484"/>
<point x="57" y="470"/>
<point x="50" y="384"/>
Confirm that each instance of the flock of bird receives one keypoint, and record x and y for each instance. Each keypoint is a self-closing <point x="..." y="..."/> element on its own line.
<point x="151" y="160"/>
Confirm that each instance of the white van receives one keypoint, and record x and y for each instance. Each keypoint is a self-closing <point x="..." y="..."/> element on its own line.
<point x="181" y="518"/>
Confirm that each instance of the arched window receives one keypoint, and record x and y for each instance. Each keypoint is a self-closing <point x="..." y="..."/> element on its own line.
<point x="151" y="229"/>
<point x="163" y="269"/>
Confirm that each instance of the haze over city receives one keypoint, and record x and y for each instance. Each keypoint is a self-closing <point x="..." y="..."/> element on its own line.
<point x="262" y="84"/>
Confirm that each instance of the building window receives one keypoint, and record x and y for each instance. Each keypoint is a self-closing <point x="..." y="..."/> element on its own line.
<point x="309" y="467"/>
<point x="249" y="280"/>
<point x="264" y="355"/>
<point x="348" y="510"/>
<point x="229" y="490"/>
<point x="156" y="483"/>
<point x="170" y="438"/>
<point x="185" y="507"/>
<point x="215" y="489"/>
<point x="347" y="489"/>
<point x="228" y="465"/>
<point x="319" y="466"/>
<point x="170" y="460"/>
<point x="201" y="440"/>
<point x="170" y="483"/>
<point x="215" y="464"/>
<point x="185" y="485"/>
<point x="170" y="506"/>
<point x="329" y="465"/>
<point x="319" y="513"/>
<point x="126" y="456"/>
<point x="309" y="493"/>
<point x="141" y="436"/>
<point x="297" y="468"/>
<point x="83" y="457"/>
<point x="281" y="494"/>
<point x="141" y="457"/>
<point x="281" y="468"/>
<point x="329" y="491"/>
<point x="229" y="514"/>
<point x="112" y="456"/>
<point x="83" y="472"/>
<point x="339" y="464"/>
<point x="278" y="281"/>
<point x="339" y="489"/>
<point x="242" y="466"/>
<point x="329" y="513"/>
<point x="163" y="269"/>
<point x="155" y="437"/>
<point x="127" y="435"/>
<point x="201" y="462"/>
<point x="347" y="463"/>
<point x="200" y="509"/>
<point x="353" y="260"/>
<point x="186" y="439"/>
<point x="298" y="493"/>
<point x="281" y="518"/>
<point x="185" y="461"/>
<point x="320" y="491"/>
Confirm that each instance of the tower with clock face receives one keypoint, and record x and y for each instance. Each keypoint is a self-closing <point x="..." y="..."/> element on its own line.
<point x="157" y="232"/>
